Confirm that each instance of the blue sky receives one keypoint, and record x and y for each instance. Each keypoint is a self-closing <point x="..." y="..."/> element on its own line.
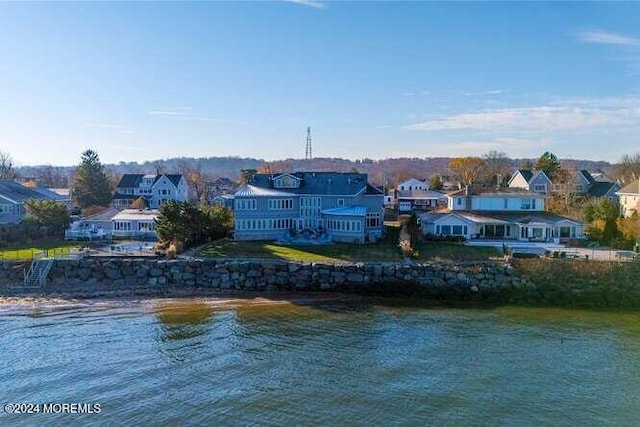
<point x="146" y="81"/>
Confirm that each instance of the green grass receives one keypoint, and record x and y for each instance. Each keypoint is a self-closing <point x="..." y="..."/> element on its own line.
<point x="381" y="251"/>
<point x="22" y="252"/>
<point x="454" y="251"/>
<point x="334" y="252"/>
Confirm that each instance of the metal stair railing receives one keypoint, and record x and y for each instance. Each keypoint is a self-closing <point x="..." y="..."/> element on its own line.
<point x="38" y="271"/>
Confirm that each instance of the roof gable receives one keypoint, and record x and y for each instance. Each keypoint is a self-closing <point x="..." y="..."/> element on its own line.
<point x="17" y="193"/>
<point x="130" y="180"/>
<point x="631" y="188"/>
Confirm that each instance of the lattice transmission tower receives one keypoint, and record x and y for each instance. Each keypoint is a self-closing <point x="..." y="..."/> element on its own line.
<point x="307" y="153"/>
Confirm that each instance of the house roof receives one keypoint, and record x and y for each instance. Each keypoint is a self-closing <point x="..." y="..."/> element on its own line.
<point x="16" y="193"/>
<point x="631" y="188"/>
<point x="53" y="195"/>
<point x="104" y="215"/>
<point x="600" y="188"/>
<point x="320" y="183"/>
<point x="174" y="178"/>
<point x="500" y="217"/>
<point x="129" y="180"/>
<point x="585" y="173"/>
<point x="526" y="174"/>
<point x="373" y="191"/>
<point x="420" y="194"/>
<point x="132" y="180"/>
<point x="253" y="191"/>
<point x="136" y="214"/>
<point x="223" y="182"/>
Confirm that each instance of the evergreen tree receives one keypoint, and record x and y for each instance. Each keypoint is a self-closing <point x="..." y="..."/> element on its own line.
<point x="48" y="214"/>
<point x="92" y="186"/>
<point x="548" y="163"/>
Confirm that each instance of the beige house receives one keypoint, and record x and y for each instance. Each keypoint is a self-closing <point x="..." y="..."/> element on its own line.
<point x="630" y="199"/>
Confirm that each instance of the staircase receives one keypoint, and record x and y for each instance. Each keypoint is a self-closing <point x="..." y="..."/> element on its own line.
<point x="36" y="277"/>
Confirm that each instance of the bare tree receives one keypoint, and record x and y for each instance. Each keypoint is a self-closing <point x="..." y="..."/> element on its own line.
<point x="52" y="177"/>
<point x="497" y="167"/>
<point x="628" y="169"/>
<point x="196" y="179"/>
<point x="7" y="170"/>
<point x="466" y="169"/>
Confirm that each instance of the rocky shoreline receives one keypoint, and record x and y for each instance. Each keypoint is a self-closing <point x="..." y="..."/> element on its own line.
<point x="485" y="282"/>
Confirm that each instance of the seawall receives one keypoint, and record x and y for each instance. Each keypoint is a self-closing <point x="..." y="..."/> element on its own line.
<point x="491" y="282"/>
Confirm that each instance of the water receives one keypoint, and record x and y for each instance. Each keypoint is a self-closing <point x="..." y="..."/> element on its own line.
<point x="343" y="361"/>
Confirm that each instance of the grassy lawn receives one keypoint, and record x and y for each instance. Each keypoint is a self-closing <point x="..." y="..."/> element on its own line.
<point x="454" y="251"/>
<point x="27" y="251"/>
<point x="334" y="252"/>
<point x="382" y="251"/>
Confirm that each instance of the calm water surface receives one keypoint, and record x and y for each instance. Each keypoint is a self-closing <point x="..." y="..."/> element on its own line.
<point x="337" y="361"/>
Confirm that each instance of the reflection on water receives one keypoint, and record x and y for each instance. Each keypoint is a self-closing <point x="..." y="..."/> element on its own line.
<point x="183" y="319"/>
<point x="332" y="361"/>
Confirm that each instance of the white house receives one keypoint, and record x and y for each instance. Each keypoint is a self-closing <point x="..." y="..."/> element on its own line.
<point x="516" y="215"/>
<point x="629" y="199"/>
<point x="135" y="223"/>
<point x="536" y="181"/>
<point x="412" y="184"/>
<point x="583" y="184"/>
<point x="155" y="190"/>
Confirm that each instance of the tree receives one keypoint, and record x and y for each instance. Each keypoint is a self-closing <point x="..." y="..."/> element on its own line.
<point x="435" y="182"/>
<point x="48" y="214"/>
<point x="548" y="163"/>
<point x="92" y="184"/>
<point x="182" y="222"/>
<point x="247" y="174"/>
<point x="414" y="229"/>
<point x="466" y="169"/>
<point x="527" y="164"/>
<point x="7" y="170"/>
<point x="497" y="168"/>
<point x="195" y="177"/>
<point x="628" y="169"/>
<point x="51" y="176"/>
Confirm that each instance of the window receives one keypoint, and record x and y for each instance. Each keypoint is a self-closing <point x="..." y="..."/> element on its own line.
<point x="459" y="201"/>
<point x="5" y="208"/>
<point x="340" y="203"/>
<point x="146" y="226"/>
<point x="540" y="188"/>
<point x="373" y="219"/>
<point x="246" y="204"/>
<point x="280" y="204"/>
<point x="445" y="230"/>
<point x="122" y="225"/>
<point x="525" y="203"/>
<point x="456" y="230"/>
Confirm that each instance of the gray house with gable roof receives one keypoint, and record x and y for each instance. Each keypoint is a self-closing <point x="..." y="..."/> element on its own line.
<point x="155" y="190"/>
<point x="341" y="206"/>
<point x="12" y="198"/>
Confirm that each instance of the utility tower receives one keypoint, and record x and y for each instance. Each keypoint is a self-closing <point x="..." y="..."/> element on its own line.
<point x="307" y="154"/>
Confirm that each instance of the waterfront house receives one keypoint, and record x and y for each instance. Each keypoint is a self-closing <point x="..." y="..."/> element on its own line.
<point x="630" y="199"/>
<point x="536" y="181"/>
<point x="342" y="207"/>
<point x="509" y="214"/>
<point x="154" y="190"/>
<point x="414" y="195"/>
<point x="12" y="198"/>
<point x="97" y="226"/>
<point x="582" y="184"/>
<point x="135" y="223"/>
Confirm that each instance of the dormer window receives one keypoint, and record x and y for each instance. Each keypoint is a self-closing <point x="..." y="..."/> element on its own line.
<point x="286" y="181"/>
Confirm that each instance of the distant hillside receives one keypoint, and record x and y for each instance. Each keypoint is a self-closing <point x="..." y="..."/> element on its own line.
<point x="387" y="171"/>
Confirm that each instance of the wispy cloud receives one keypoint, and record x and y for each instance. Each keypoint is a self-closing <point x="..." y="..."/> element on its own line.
<point x="567" y="116"/>
<point x="605" y="37"/>
<point x="310" y="3"/>
<point x="419" y="93"/>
